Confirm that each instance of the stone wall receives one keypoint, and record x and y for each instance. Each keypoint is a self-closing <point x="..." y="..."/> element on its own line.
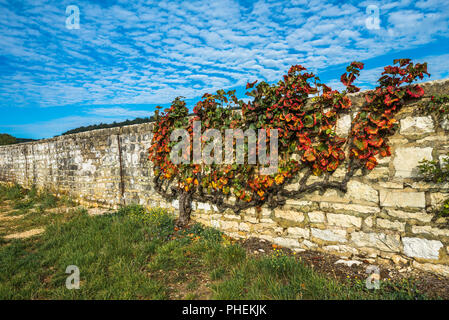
<point x="107" y="167"/>
<point x="385" y="215"/>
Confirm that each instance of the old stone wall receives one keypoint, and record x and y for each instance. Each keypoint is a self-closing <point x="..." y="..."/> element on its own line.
<point x="385" y="215"/>
<point x="107" y="167"/>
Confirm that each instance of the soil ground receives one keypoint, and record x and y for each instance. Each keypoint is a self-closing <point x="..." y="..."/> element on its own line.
<point x="324" y="263"/>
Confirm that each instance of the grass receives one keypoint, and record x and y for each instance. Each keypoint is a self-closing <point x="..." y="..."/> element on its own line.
<point x="139" y="254"/>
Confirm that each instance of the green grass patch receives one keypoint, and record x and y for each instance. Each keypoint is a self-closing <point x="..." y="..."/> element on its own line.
<point x="110" y="252"/>
<point x="14" y="192"/>
<point x="139" y="254"/>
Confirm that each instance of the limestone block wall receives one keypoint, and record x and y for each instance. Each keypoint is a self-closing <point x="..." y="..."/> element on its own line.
<point x="107" y="167"/>
<point x="386" y="215"/>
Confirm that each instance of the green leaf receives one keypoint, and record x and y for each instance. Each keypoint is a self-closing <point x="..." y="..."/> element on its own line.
<point x="308" y="121"/>
<point x="359" y="144"/>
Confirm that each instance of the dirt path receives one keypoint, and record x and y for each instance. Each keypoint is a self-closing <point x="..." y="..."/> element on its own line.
<point x="25" y="234"/>
<point x="8" y="226"/>
<point x="10" y="221"/>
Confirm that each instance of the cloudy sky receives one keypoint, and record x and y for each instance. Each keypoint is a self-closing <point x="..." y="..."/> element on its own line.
<point x="128" y="56"/>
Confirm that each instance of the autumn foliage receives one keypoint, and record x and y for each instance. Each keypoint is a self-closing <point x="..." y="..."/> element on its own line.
<point x="305" y="112"/>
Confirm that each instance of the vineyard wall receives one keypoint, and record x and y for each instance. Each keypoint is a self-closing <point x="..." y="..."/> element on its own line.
<point x="386" y="214"/>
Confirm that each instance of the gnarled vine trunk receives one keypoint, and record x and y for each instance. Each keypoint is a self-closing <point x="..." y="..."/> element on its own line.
<point x="185" y="208"/>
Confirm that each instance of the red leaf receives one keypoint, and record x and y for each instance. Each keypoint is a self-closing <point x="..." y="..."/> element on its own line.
<point x="368" y="99"/>
<point x="416" y="92"/>
<point x="251" y="84"/>
<point x="358" y="65"/>
<point x="309" y="156"/>
<point x="372" y="162"/>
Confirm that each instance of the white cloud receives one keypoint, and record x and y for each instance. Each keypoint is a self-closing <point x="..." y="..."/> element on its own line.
<point x="57" y="126"/>
<point x="120" y="112"/>
<point x="152" y="51"/>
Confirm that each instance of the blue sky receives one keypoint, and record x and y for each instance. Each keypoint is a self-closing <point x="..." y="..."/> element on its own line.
<point x="129" y="56"/>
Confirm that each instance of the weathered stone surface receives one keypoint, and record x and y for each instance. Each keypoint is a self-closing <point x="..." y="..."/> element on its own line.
<point x="340" y="248"/>
<point x="175" y="204"/>
<point x="264" y="227"/>
<point x="215" y="223"/>
<point x="244" y="226"/>
<point x="425" y="185"/>
<point x="380" y="241"/>
<point x="289" y="215"/>
<point x="343" y="125"/>
<point x="308" y="244"/>
<point x="438" y="198"/>
<point x="299" y="232"/>
<point x="292" y="186"/>
<point x="434" y="268"/>
<point x="379" y="173"/>
<point x="229" y="225"/>
<point x="265" y="212"/>
<point x="251" y="219"/>
<point x="422" y="248"/>
<point x="316" y="217"/>
<point x="432" y="138"/>
<point x="419" y="215"/>
<point x="298" y="203"/>
<point x="412" y="126"/>
<point x="348" y="263"/>
<point x="402" y="199"/>
<point x="391" y="185"/>
<point x="397" y="259"/>
<point x="203" y="206"/>
<point x="329" y="235"/>
<point x="264" y="237"/>
<point x="232" y="217"/>
<point x="234" y="235"/>
<point x="369" y="252"/>
<point x="406" y="160"/>
<point x="339" y="173"/>
<point x="362" y="191"/>
<point x="349" y="207"/>
<point x="286" y="242"/>
<point x="393" y="225"/>
<point x="330" y="195"/>
<point x="369" y="222"/>
<point x="430" y="231"/>
<point x="344" y="220"/>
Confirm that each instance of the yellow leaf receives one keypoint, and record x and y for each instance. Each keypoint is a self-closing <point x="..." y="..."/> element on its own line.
<point x="279" y="179"/>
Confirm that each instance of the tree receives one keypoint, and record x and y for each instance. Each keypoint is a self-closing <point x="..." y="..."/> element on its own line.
<point x="6" y="139"/>
<point x="112" y="125"/>
<point x="303" y="112"/>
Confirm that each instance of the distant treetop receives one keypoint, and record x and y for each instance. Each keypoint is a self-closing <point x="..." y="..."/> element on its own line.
<point x="110" y="125"/>
<point x="9" y="139"/>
